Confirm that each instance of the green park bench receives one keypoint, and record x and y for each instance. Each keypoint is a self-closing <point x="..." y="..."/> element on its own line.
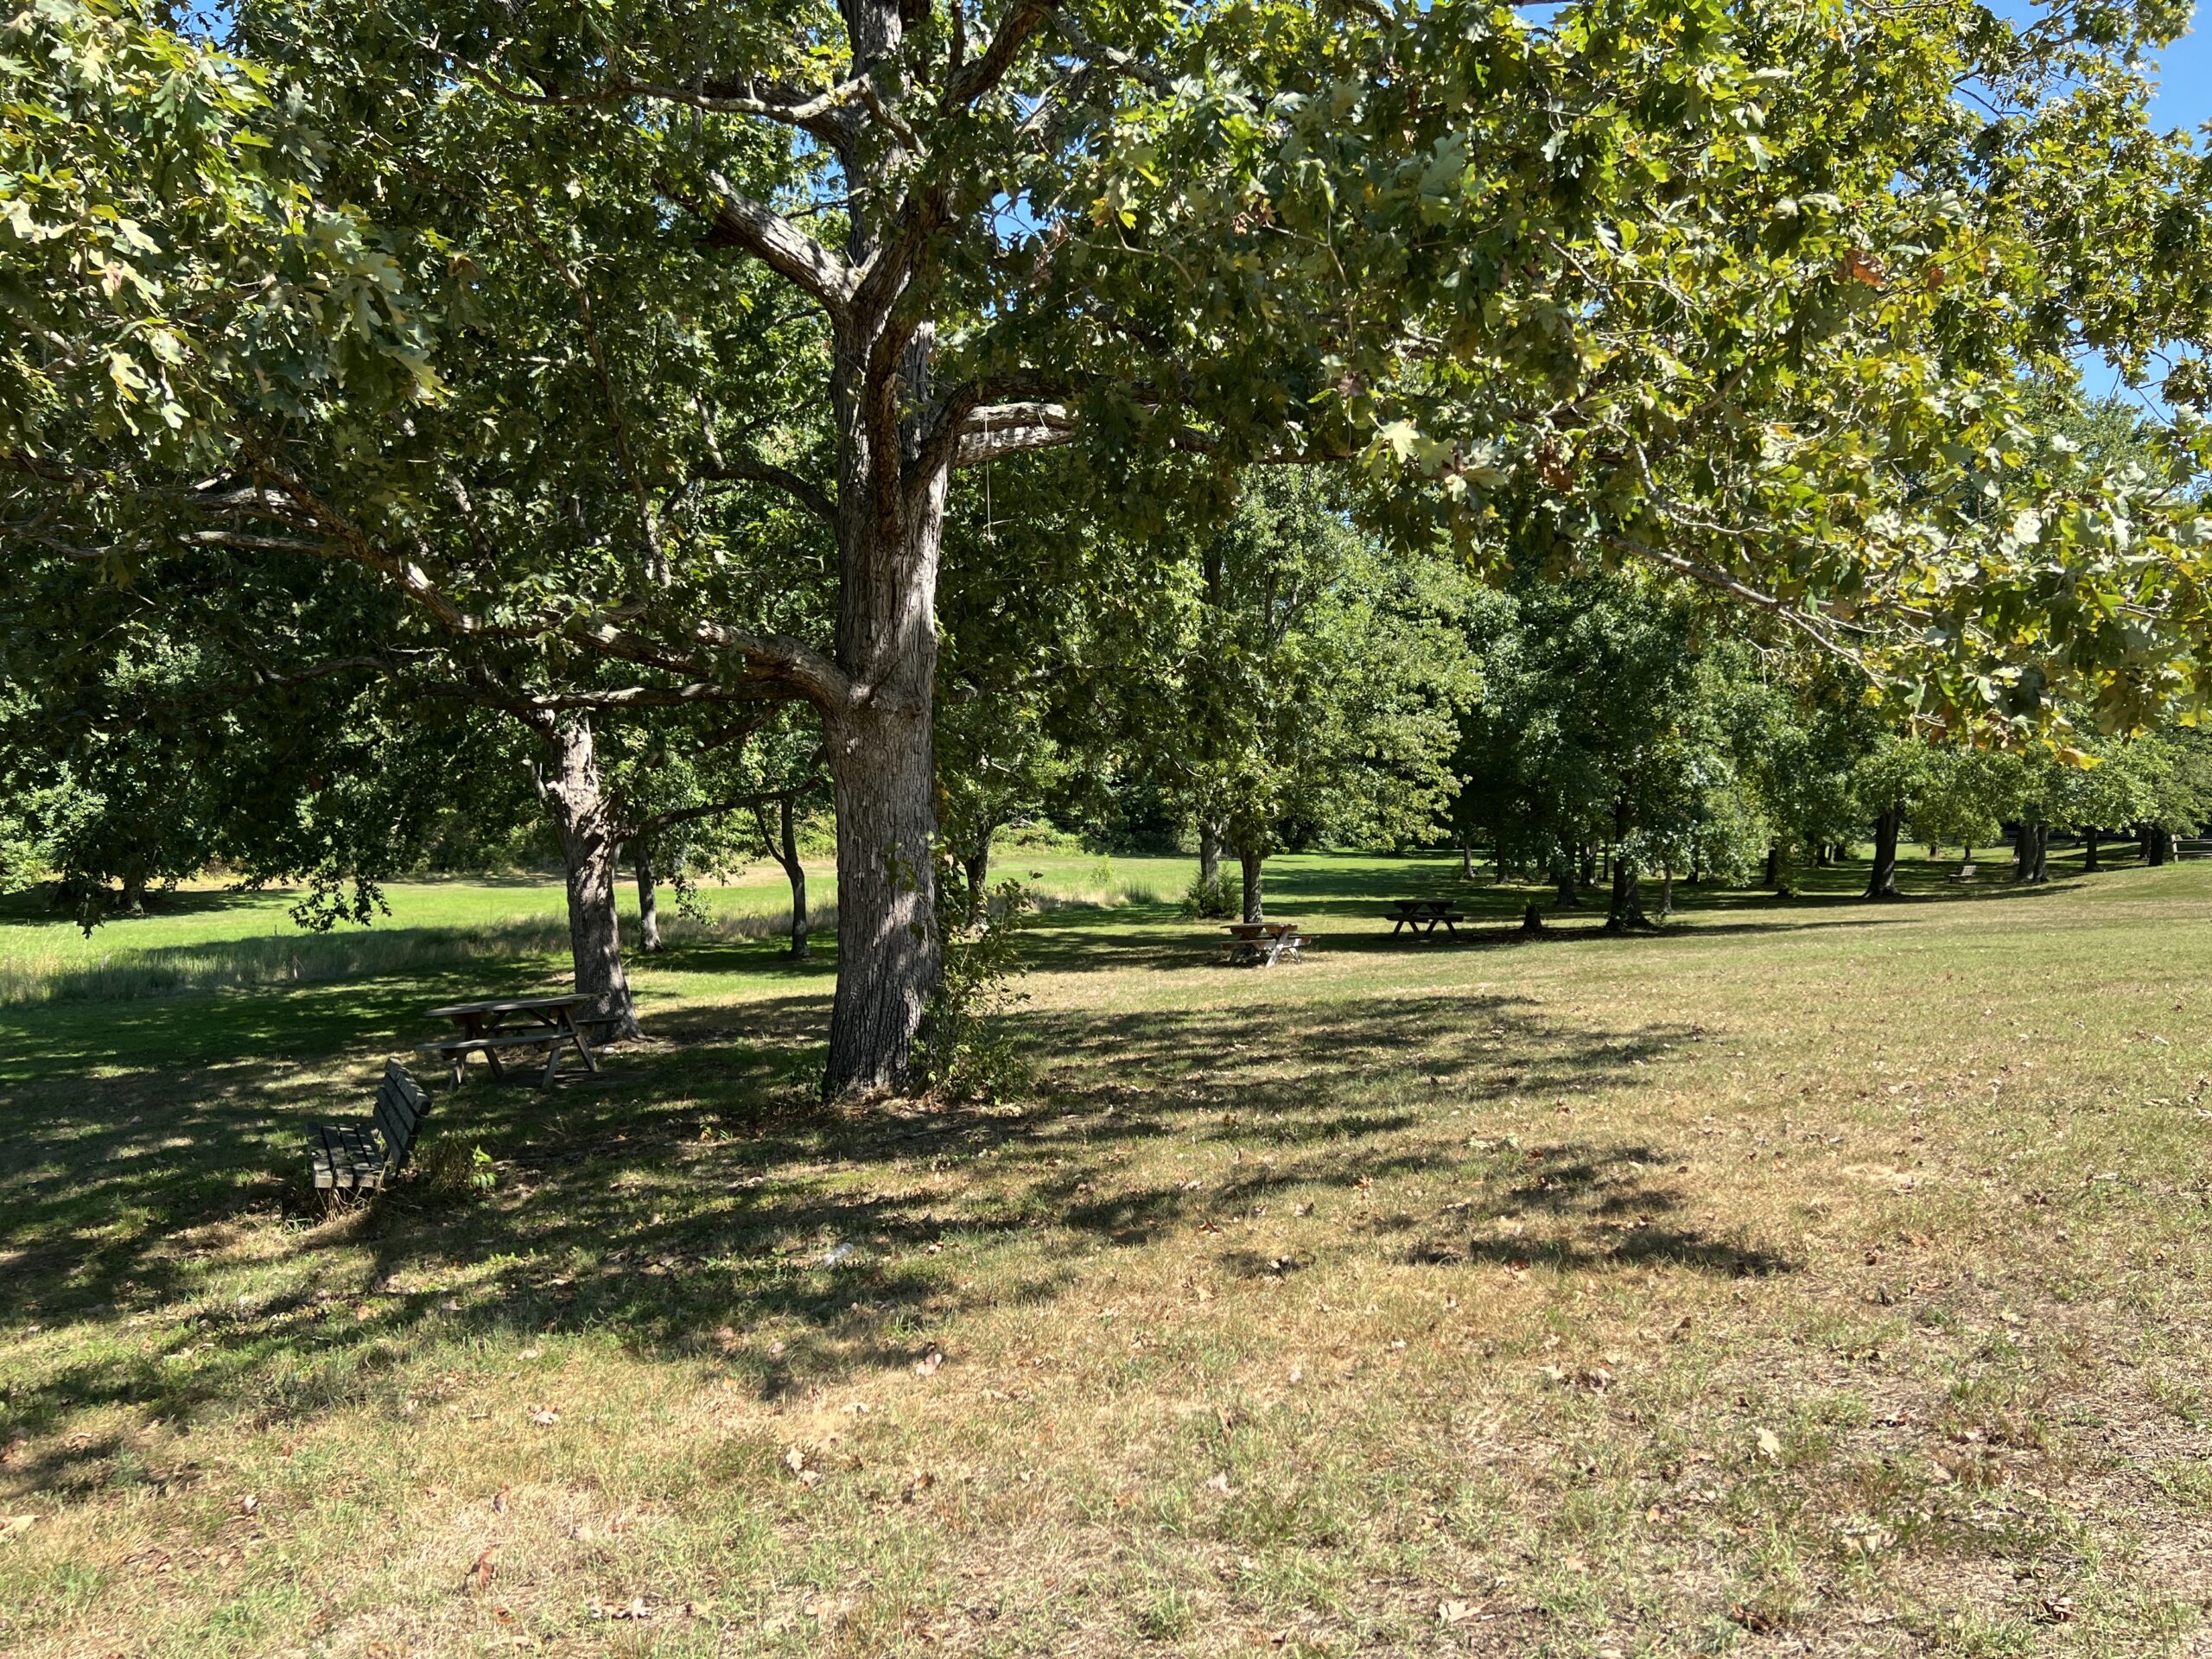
<point x="367" y="1157"/>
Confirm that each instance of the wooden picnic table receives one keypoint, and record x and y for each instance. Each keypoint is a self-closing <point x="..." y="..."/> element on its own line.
<point x="1263" y="944"/>
<point x="1425" y="916"/>
<point x="514" y="1022"/>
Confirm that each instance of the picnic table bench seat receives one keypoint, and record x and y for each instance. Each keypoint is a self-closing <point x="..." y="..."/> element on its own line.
<point x="1964" y="873"/>
<point x="1263" y="944"/>
<point x="365" y="1157"/>
<point x="489" y="1028"/>
<point x="1425" y="916"/>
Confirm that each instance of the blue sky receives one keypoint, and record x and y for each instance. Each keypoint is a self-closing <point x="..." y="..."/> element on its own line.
<point x="2186" y="76"/>
<point x="2185" y="99"/>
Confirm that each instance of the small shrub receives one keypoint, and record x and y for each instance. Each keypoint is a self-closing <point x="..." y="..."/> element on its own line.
<point x="451" y="1166"/>
<point x="1217" y="900"/>
<point x="965" y="1051"/>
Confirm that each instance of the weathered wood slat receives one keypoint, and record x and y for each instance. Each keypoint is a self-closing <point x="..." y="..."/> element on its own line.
<point x="365" y="1157"/>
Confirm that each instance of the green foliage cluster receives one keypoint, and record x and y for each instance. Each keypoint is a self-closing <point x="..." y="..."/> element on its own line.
<point x="966" y="1050"/>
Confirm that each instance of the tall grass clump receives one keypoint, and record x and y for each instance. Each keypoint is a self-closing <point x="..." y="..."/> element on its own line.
<point x="55" y="973"/>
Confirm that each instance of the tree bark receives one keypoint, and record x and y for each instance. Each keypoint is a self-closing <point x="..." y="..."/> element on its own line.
<point x="1773" y="868"/>
<point x="2158" y="845"/>
<point x="1253" y="864"/>
<point x="134" y="893"/>
<point x="648" y="899"/>
<point x="584" y="821"/>
<point x="889" y="953"/>
<point x="2029" y="865"/>
<point x="1666" y="891"/>
<point x="1563" y="876"/>
<point x="2090" y="862"/>
<point x="1209" y="852"/>
<point x="1820" y="856"/>
<point x="1467" y="863"/>
<point x="1882" y="877"/>
<point x="1588" y="875"/>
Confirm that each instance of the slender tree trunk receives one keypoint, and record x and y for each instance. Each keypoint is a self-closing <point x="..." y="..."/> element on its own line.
<point x="1209" y="852"/>
<point x="1627" y="911"/>
<point x="2029" y="860"/>
<point x="1467" y="862"/>
<point x="583" y="822"/>
<point x="1966" y="855"/>
<point x="134" y="893"/>
<point x="2158" y="845"/>
<point x="794" y="873"/>
<point x="2090" y="863"/>
<point x="1820" y="856"/>
<point x="977" y="867"/>
<point x="648" y="897"/>
<point x="1881" y="876"/>
<point x="1773" y="868"/>
<point x="1253" y="865"/>
<point x="1563" y="876"/>
<point x="1666" y="891"/>
<point x="1588" y="875"/>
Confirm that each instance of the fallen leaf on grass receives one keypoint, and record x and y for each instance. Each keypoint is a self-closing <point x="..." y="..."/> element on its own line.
<point x="12" y="1524"/>
<point x="1218" y="1483"/>
<point x="927" y="1364"/>
<point x="478" y="1579"/>
<point x="1454" y="1612"/>
<point x="1769" y="1444"/>
<point x="633" y="1608"/>
<point x="2054" y="1609"/>
<point x="544" y="1416"/>
<point x="1753" y="1620"/>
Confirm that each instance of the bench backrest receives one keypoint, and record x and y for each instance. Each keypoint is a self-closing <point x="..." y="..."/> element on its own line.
<point x="400" y="1106"/>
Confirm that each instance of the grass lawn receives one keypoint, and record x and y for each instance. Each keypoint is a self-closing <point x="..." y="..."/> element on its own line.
<point x="1811" y="1277"/>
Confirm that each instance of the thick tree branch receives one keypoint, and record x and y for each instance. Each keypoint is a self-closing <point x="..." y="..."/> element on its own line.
<point x="740" y="221"/>
<point x="815" y="501"/>
<point x="1008" y="429"/>
<point x="770" y="659"/>
<point x="972" y="80"/>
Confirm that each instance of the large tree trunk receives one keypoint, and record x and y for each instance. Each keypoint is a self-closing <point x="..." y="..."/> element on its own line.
<point x="1666" y="892"/>
<point x="584" y="821"/>
<point x="1773" y="868"/>
<point x="2158" y="845"/>
<point x="977" y="866"/>
<point x="2029" y="858"/>
<point x="134" y="893"/>
<point x="889" y="954"/>
<point x="648" y="897"/>
<point x="1627" y="911"/>
<point x="1208" y="851"/>
<point x="2090" y="838"/>
<point x="1563" y="879"/>
<point x="1882" y="877"/>
<point x="1253" y="864"/>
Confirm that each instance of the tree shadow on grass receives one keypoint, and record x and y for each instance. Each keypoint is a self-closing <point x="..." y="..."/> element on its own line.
<point x="698" y="1202"/>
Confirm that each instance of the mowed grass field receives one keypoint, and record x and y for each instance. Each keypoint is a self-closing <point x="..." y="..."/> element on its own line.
<point x="1815" y="1276"/>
